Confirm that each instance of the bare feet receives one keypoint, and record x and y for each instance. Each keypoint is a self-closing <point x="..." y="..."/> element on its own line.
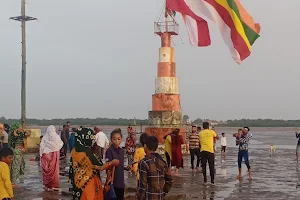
<point x="239" y="177"/>
<point x="250" y="177"/>
<point x="16" y="186"/>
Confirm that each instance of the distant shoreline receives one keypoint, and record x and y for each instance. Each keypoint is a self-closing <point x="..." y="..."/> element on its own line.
<point x="267" y="123"/>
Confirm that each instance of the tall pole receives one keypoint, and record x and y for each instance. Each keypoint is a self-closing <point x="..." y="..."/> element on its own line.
<point x="23" y="78"/>
<point x="23" y="18"/>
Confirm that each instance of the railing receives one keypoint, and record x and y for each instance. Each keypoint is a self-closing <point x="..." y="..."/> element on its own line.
<point x="168" y="26"/>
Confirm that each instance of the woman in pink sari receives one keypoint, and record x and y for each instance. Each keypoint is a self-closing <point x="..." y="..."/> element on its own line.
<point x="49" y="151"/>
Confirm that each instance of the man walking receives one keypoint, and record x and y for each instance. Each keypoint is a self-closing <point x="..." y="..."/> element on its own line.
<point x="207" y="151"/>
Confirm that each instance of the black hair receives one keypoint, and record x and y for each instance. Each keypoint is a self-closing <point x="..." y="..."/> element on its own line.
<point x="143" y="138"/>
<point x="199" y="128"/>
<point x="64" y="126"/>
<point x="240" y="129"/>
<point x="205" y="125"/>
<point x="176" y="132"/>
<point x="4" y="152"/>
<point x="152" y="143"/>
<point x="6" y="127"/>
<point x="194" y="126"/>
<point x="68" y="122"/>
<point x="246" y="127"/>
<point x="115" y="132"/>
<point x="223" y="133"/>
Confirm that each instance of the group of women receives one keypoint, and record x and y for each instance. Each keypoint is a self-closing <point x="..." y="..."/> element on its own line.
<point x="173" y="151"/>
<point x="85" y="168"/>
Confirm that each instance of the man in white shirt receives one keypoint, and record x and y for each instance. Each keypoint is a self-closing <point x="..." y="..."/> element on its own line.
<point x="101" y="140"/>
<point x="223" y="147"/>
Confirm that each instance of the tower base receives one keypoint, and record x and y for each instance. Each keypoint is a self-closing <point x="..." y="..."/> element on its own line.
<point x="160" y="133"/>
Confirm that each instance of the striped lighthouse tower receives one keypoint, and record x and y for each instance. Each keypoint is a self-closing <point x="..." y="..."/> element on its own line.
<point x="166" y="114"/>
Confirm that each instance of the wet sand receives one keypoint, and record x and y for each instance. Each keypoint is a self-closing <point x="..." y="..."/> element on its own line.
<point x="274" y="177"/>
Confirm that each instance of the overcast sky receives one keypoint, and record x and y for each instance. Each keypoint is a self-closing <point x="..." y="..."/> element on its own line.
<point x="91" y="58"/>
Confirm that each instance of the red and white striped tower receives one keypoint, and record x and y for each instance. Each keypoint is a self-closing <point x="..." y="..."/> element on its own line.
<point x="166" y="114"/>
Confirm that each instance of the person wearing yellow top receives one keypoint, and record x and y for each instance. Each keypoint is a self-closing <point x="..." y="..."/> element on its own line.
<point x="6" y="189"/>
<point x="139" y="155"/>
<point x="207" y="151"/>
<point x="168" y="149"/>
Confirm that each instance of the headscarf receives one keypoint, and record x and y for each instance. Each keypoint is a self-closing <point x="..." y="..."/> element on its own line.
<point x="84" y="164"/>
<point x="51" y="141"/>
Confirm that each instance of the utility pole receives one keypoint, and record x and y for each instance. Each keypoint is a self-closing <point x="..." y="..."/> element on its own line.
<point x="23" y="19"/>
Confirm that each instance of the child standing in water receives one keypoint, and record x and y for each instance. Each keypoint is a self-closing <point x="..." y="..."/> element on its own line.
<point x="116" y="152"/>
<point x="6" y="189"/>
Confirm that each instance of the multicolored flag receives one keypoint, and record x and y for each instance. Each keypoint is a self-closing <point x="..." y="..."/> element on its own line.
<point x="238" y="29"/>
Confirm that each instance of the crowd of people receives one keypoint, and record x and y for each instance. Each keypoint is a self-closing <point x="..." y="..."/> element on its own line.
<point x="91" y="152"/>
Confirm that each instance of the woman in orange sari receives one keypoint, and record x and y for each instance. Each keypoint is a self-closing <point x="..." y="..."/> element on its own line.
<point x="86" y="166"/>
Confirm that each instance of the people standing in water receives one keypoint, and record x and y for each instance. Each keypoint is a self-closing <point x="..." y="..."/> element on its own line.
<point x="177" y="159"/>
<point x="116" y="152"/>
<point x="223" y="147"/>
<point x="130" y="144"/>
<point x="298" y="145"/>
<point x="243" y="141"/>
<point x="139" y="154"/>
<point x="19" y="147"/>
<point x="155" y="176"/>
<point x="207" y="151"/>
<point x="85" y="167"/>
<point x="168" y="149"/>
<point x="50" y="152"/>
<point x="194" y="148"/>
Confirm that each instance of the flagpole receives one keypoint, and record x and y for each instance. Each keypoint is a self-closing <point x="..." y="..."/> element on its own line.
<point x="166" y="17"/>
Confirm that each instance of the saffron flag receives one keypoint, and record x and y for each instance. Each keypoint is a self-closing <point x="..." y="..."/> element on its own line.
<point x="238" y="29"/>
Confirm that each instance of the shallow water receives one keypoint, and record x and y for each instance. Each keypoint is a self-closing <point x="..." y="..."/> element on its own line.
<point x="274" y="177"/>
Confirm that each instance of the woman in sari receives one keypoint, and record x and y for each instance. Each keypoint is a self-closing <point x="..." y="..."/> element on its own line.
<point x="49" y="153"/>
<point x="86" y="166"/>
<point x="177" y="159"/>
<point x="18" y="143"/>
